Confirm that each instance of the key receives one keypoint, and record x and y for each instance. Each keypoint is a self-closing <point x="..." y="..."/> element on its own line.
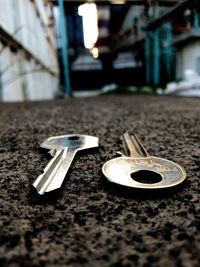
<point x="140" y="170"/>
<point x="63" y="149"/>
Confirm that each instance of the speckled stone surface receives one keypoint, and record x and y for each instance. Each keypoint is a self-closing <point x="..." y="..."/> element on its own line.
<point x="90" y="222"/>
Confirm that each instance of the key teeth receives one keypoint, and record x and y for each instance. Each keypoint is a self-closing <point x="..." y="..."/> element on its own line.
<point x="45" y="179"/>
<point x="52" y="186"/>
<point x="39" y="191"/>
<point x="55" y="172"/>
<point x="42" y="192"/>
<point x="47" y="189"/>
<point x="37" y="186"/>
<point x="52" y="152"/>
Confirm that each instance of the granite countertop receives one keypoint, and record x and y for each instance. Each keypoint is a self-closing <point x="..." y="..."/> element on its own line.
<point x="90" y="222"/>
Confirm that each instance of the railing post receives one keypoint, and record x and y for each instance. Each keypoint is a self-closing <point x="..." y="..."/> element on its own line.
<point x="64" y="48"/>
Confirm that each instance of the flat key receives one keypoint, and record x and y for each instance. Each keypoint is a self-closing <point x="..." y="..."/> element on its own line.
<point x="140" y="170"/>
<point x="63" y="149"/>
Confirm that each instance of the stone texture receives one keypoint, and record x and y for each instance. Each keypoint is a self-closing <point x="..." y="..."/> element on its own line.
<point x="91" y="222"/>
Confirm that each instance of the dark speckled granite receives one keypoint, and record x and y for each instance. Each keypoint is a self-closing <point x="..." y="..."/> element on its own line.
<point x="89" y="222"/>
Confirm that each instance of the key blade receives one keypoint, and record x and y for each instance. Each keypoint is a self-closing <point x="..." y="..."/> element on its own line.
<point x="54" y="173"/>
<point x="60" y="173"/>
<point x="134" y="145"/>
<point x="73" y="140"/>
<point x="141" y="147"/>
<point x="131" y="145"/>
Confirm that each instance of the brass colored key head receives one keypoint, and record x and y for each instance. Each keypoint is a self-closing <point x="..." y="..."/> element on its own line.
<point x="121" y="170"/>
<point x="139" y="170"/>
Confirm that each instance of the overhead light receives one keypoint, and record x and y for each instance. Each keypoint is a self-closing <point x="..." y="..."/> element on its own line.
<point x="90" y="28"/>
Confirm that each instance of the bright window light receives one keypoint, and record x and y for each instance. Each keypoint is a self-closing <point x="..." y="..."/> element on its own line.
<point x="90" y="29"/>
<point x="120" y="2"/>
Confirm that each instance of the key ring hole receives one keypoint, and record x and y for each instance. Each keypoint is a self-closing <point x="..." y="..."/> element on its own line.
<point x="73" y="138"/>
<point x="146" y="177"/>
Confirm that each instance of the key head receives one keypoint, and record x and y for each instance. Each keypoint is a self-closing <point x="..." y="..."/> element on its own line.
<point x="73" y="141"/>
<point x="122" y="171"/>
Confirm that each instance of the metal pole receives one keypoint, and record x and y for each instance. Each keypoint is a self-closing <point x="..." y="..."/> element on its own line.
<point x="156" y="58"/>
<point x="169" y="52"/>
<point x="63" y="30"/>
<point x="148" y="57"/>
<point x="196" y="19"/>
<point x="156" y="48"/>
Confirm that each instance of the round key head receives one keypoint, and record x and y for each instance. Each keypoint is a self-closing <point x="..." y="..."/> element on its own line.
<point x="143" y="172"/>
<point x="75" y="141"/>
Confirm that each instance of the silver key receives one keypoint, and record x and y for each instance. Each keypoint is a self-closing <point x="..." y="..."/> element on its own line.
<point x="138" y="166"/>
<point x="63" y="149"/>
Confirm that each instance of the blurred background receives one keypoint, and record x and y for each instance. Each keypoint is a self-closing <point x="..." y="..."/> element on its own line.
<point x="57" y="48"/>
